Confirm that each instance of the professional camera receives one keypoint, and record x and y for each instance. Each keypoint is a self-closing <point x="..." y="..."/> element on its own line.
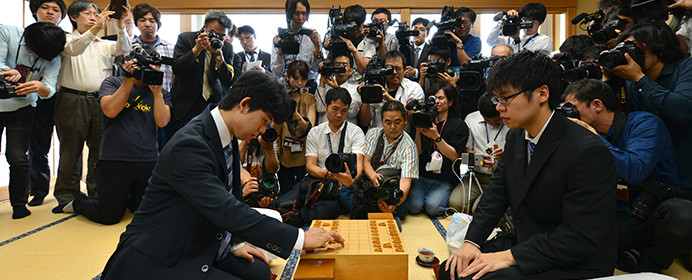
<point x="438" y="66"/>
<point x="590" y="22"/>
<point x="335" y="163"/>
<point x="404" y="32"/>
<point x="428" y="111"/>
<point x="374" y="75"/>
<point x="289" y="44"/>
<point x="566" y="60"/>
<point x="568" y="110"/>
<point x="655" y="11"/>
<point x="146" y="57"/>
<point x="651" y="193"/>
<point x="329" y="69"/>
<point x="607" y="32"/>
<point x="447" y="22"/>
<point x="472" y="79"/>
<point x="268" y="186"/>
<point x="374" y="28"/>
<point x="585" y="70"/>
<point x="7" y="88"/>
<point x="616" y="56"/>
<point x="215" y="39"/>
<point x="512" y="24"/>
<point x="270" y="135"/>
<point x="388" y="192"/>
<point x="338" y="28"/>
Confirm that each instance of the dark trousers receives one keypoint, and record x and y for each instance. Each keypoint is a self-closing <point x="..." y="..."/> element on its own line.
<point x="18" y="124"/>
<point x="39" y="145"/>
<point x="321" y="210"/>
<point x="78" y="119"/>
<point x="121" y="186"/>
<point x="240" y="268"/>
<point x="290" y="176"/>
<point x="664" y="235"/>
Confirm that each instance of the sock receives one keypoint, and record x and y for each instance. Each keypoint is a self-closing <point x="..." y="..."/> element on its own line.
<point x="20" y="211"/>
<point x="37" y="200"/>
<point x="58" y="209"/>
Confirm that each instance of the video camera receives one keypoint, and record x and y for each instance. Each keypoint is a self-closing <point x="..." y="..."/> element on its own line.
<point x="585" y="70"/>
<point x="374" y="28"/>
<point x="289" y="44"/>
<point x="7" y="88"/>
<point x="374" y="75"/>
<point x="215" y="39"/>
<point x="596" y="19"/>
<point x="404" y="31"/>
<point x="472" y="78"/>
<point x="146" y="57"/>
<point x="335" y="163"/>
<point x="607" y="32"/>
<point x="438" y="66"/>
<point x="339" y="28"/>
<point x="616" y="55"/>
<point x="568" y="110"/>
<point x="512" y="24"/>
<point x="268" y="186"/>
<point x="428" y="111"/>
<point x="329" y="69"/>
<point x="655" y="11"/>
<point x="447" y="22"/>
<point x="388" y="192"/>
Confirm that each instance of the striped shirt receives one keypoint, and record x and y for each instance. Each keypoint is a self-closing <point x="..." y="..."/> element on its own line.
<point x="163" y="48"/>
<point x="405" y="157"/>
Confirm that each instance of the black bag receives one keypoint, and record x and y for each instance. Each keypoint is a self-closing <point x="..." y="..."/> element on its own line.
<point x="314" y="190"/>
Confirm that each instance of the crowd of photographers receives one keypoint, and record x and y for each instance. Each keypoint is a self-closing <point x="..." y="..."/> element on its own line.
<point x="381" y="122"/>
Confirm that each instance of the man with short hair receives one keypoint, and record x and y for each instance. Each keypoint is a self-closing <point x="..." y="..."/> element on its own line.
<point x="427" y="81"/>
<point x="382" y="42"/>
<point x="557" y="178"/>
<point x="251" y="51"/>
<point x="530" y="39"/>
<point x="310" y="51"/>
<point x="420" y="48"/>
<point x="148" y="21"/>
<point x="338" y="80"/>
<point x="461" y="42"/>
<point x="501" y="50"/>
<point x="53" y="11"/>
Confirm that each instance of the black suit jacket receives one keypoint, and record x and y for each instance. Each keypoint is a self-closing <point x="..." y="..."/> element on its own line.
<point x="177" y="230"/>
<point x="186" y="91"/>
<point x="423" y="58"/>
<point x="563" y="202"/>
<point x="265" y="57"/>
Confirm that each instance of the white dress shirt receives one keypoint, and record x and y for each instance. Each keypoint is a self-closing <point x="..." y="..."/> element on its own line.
<point x="353" y="109"/>
<point x="535" y="42"/>
<point x="483" y="134"/>
<point x="408" y="90"/>
<point x="317" y="143"/>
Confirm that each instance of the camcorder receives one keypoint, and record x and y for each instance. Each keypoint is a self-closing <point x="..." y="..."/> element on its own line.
<point x="335" y="163"/>
<point x="438" y="66"/>
<point x="607" y="32"/>
<point x="7" y="88"/>
<point x="512" y="24"/>
<point x="374" y="75"/>
<point x="586" y="69"/>
<point x="616" y="55"/>
<point x="388" y="192"/>
<point x="590" y="22"/>
<point x="447" y="22"/>
<point x="427" y="112"/>
<point x="268" y="186"/>
<point x="215" y="39"/>
<point x="339" y="28"/>
<point x="472" y="79"/>
<point x="568" y="110"/>
<point x="329" y="69"/>
<point x="289" y="43"/>
<point x="655" y="11"/>
<point x="374" y="28"/>
<point x="146" y="57"/>
<point x="402" y="35"/>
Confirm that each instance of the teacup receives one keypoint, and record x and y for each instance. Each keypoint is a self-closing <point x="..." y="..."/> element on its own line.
<point x="426" y="254"/>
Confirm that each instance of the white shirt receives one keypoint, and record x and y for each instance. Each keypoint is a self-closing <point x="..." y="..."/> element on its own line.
<point x="408" y="90"/>
<point x="534" y="140"/>
<point x="686" y="32"/>
<point x="317" y="143"/>
<point x="87" y="60"/>
<point x="353" y="109"/>
<point x="225" y="137"/>
<point x="280" y="63"/>
<point x="536" y="42"/>
<point x="483" y="134"/>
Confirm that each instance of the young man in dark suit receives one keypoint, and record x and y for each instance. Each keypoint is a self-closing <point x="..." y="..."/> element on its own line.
<point x="251" y="51"/>
<point x="191" y="223"/>
<point x="557" y="178"/>
<point x="419" y="49"/>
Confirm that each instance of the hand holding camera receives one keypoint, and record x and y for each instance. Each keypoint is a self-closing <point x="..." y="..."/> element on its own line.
<point x="101" y="21"/>
<point x="630" y="71"/>
<point x="430" y="132"/>
<point x="11" y="75"/>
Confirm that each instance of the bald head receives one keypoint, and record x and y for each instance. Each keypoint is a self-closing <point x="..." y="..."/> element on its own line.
<point x="501" y="50"/>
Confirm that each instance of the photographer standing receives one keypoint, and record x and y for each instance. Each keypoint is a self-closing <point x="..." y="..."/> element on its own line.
<point x="297" y="13"/>
<point x="438" y="146"/>
<point x="29" y="66"/>
<point x="382" y="42"/>
<point x="439" y="59"/>
<point x="338" y="80"/>
<point x="134" y="111"/>
<point x="419" y="48"/>
<point x="461" y="40"/>
<point x="531" y="39"/>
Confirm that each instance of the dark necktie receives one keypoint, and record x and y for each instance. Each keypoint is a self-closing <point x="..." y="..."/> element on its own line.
<point x="251" y="56"/>
<point x="532" y="147"/>
<point x="225" y="247"/>
<point x="416" y="54"/>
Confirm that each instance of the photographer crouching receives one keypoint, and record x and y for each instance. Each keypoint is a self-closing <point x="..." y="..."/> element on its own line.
<point x="135" y="106"/>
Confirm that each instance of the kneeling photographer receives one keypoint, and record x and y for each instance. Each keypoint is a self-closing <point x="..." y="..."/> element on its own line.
<point x="390" y="164"/>
<point x="437" y="70"/>
<point x="438" y="146"/>
<point x="135" y="107"/>
<point x="653" y="218"/>
<point x="260" y="164"/>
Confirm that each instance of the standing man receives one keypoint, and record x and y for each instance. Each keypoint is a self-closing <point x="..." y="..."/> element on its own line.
<point x="531" y="39"/>
<point x="461" y="40"/>
<point x="558" y="179"/>
<point x="251" y="51"/>
<point x="86" y="62"/>
<point x="419" y="52"/>
<point x="148" y="21"/>
<point x="382" y="42"/>
<point x="297" y="13"/>
<point x="52" y="11"/>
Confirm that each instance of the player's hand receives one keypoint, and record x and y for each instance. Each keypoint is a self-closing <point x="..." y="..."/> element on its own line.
<point x="386" y="208"/>
<point x="250" y="186"/>
<point x="317" y="236"/>
<point x="247" y="252"/>
<point x="488" y="263"/>
<point x="460" y="259"/>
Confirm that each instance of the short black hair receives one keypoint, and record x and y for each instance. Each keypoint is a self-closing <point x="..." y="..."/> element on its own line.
<point x="526" y="70"/>
<point x="246" y="29"/>
<point x="393" y="106"/>
<point x="465" y="11"/>
<point x="338" y="93"/>
<point x="80" y="5"/>
<point x="588" y="90"/>
<point x="380" y="11"/>
<point x="441" y="52"/>
<point x="450" y="92"/>
<point x="621" y="10"/>
<point x="298" y="67"/>
<point x="535" y="11"/>
<point x="142" y="9"/>
<point x="592" y="52"/>
<point x="291" y="8"/>
<point x="486" y="106"/>
<point x="394" y="55"/>
<point x="218" y="16"/>
<point x="35" y="4"/>
<point x="659" y="38"/>
<point x="356" y="13"/>
<point x="422" y="21"/>
<point x="576" y="44"/>
<point x="265" y="92"/>
<point x="604" y="4"/>
<point x="45" y="39"/>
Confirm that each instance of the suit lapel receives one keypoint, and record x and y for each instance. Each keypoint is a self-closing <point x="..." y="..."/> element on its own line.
<point x="215" y="141"/>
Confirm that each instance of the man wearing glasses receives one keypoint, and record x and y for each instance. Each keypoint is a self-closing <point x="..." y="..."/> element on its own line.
<point x="461" y="41"/>
<point x="557" y="178"/>
<point x="531" y="40"/>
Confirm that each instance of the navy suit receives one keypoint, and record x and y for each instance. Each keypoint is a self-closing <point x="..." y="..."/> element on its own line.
<point x="176" y="232"/>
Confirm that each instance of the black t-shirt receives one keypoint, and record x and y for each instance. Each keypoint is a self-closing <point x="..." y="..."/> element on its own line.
<point x="455" y="133"/>
<point x="132" y="134"/>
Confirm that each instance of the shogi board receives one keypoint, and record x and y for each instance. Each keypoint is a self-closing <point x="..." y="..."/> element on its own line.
<point x="373" y="249"/>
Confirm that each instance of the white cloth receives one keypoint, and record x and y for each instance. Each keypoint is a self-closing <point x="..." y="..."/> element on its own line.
<point x="539" y="42"/>
<point x="686" y="32"/>
<point x="353" y="110"/>
<point x="408" y="90"/>
<point x="368" y="47"/>
<point x="317" y="144"/>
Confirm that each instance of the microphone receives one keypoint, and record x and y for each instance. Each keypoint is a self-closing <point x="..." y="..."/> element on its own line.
<point x="579" y="18"/>
<point x="499" y="16"/>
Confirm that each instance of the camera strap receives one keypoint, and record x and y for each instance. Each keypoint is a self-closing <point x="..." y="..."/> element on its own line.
<point x="442" y="127"/>
<point x="619" y="121"/>
<point x="379" y="149"/>
<point x="529" y="40"/>
<point x="341" y="140"/>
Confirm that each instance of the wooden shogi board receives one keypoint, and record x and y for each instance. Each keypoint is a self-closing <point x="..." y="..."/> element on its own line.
<point x="373" y="249"/>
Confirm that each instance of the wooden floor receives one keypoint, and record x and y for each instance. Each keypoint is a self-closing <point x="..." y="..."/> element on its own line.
<point x="64" y="246"/>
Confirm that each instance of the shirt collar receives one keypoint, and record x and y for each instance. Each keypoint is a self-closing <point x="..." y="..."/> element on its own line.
<point x="224" y="134"/>
<point x="538" y="137"/>
<point x="668" y="68"/>
<point x="329" y="129"/>
<point x="158" y="40"/>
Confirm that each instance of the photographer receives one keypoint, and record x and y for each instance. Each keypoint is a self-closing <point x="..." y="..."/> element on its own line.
<point x="397" y="88"/>
<point x="438" y="58"/>
<point x="651" y="233"/>
<point x="531" y="39"/>
<point x="382" y="42"/>
<point x="438" y="146"/>
<point x="29" y="66"/>
<point x="466" y="44"/>
<point x="297" y="13"/>
<point x="420" y="48"/>
<point x="662" y="85"/>
<point x="338" y="80"/>
<point x="148" y="21"/>
<point x="129" y="149"/>
<point x="258" y="159"/>
<point x="389" y="152"/>
<point x="353" y="14"/>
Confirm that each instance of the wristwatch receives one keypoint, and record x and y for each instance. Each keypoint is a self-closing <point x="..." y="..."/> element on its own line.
<point x="438" y="139"/>
<point x="218" y="57"/>
<point x="460" y="47"/>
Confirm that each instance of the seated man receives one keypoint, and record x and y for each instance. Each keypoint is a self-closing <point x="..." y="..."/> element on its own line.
<point x="650" y="232"/>
<point x="558" y="178"/>
<point x="192" y="198"/>
<point x="338" y="80"/>
<point x="395" y="157"/>
<point x="531" y="39"/>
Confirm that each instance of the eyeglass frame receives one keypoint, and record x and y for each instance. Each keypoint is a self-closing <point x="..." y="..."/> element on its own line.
<point x="498" y="100"/>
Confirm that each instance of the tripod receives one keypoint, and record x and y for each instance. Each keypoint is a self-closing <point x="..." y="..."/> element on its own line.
<point x="467" y="162"/>
<point x="472" y="179"/>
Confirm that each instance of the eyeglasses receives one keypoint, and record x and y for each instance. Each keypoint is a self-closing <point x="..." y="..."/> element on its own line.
<point x="505" y="99"/>
<point x="463" y="22"/>
<point x="398" y="68"/>
<point x="88" y="14"/>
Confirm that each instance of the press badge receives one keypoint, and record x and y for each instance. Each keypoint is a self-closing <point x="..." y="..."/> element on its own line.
<point x="293" y="144"/>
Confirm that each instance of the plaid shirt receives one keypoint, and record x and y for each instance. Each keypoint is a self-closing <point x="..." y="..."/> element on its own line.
<point x="164" y="49"/>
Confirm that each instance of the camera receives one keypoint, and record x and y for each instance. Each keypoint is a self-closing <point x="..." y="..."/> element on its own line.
<point x="585" y="70"/>
<point x="607" y="32"/>
<point x="651" y="193"/>
<point x="655" y="11"/>
<point x="512" y="24"/>
<point x="472" y="159"/>
<point x="568" y="110"/>
<point x="447" y="22"/>
<point x="270" y="135"/>
<point x="7" y="88"/>
<point x="374" y="28"/>
<point x="438" y="66"/>
<point x="146" y="57"/>
<point x="472" y="78"/>
<point x="374" y="75"/>
<point x="428" y="111"/>
<point x="335" y="163"/>
<point x="566" y="60"/>
<point x="339" y="28"/>
<point x="595" y="19"/>
<point x="329" y="69"/>
<point x="268" y="186"/>
<point x="404" y="32"/>
<point x="616" y="56"/>
<point x="289" y="44"/>
<point x="388" y="192"/>
<point x="215" y="39"/>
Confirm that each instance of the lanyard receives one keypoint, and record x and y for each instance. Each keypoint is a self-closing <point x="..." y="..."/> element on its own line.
<point x="441" y="129"/>
<point x="498" y="132"/>
<point x="529" y="40"/>
<point x="329" y="139"/>
<point x="16" y="58"/>
<point x="391" y="152"/>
